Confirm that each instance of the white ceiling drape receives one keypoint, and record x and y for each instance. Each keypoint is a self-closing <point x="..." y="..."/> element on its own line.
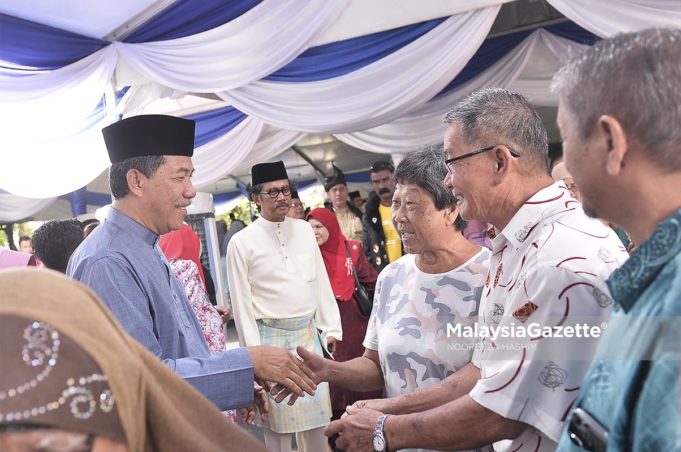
<point x="372" y="95"/>
<point x="606" y="18"/>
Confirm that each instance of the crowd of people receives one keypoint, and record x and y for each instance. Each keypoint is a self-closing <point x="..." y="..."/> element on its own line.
<point x="514" y="304"/>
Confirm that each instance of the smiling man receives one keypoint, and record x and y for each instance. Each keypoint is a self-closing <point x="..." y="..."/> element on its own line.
<point x="548" y="267"/>
<point x="281" y="296"/>
<point x="150" y="179"/>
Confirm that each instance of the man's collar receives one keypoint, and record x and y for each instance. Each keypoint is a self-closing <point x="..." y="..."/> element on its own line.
<point x="129" y="225"/>
<point x="530" y="214"/>
<point x="628" y="282"/>
<point x="267" y="223"/>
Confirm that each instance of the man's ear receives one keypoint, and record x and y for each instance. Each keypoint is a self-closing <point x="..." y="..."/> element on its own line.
<point x="614" y="140"/>
<point x="502" y="158"/>
<point x="136" y="182"/>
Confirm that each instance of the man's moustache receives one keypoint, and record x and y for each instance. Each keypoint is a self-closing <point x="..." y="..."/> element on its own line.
<point x="384" y="191"/>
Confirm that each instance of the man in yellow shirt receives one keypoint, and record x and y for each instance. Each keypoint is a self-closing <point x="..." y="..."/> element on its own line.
<point x="382" y="243"/>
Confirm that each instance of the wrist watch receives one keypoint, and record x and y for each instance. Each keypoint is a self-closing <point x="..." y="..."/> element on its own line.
<point x="380" y="444"/>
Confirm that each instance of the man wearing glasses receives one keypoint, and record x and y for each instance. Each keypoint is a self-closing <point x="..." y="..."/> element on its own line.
<point x="547" y="273"/>
<point x="281" y="296"/>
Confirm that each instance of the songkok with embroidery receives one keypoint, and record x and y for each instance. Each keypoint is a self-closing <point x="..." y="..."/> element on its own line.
<point x="337" y="178"/>
<point x="268" y="172"/>
<point x="143" y="135"/>
<point x="50" y="381"/>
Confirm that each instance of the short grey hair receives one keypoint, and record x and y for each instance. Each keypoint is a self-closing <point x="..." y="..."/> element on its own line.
<point x="633" y="77"/>
<point x="426" y="168"/>
<point x="118" y="172"/>
<point x="498" y="116"/>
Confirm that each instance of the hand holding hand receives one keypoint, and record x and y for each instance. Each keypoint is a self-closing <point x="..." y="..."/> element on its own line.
<point x="279" y="366"/>
<point x="355" y="429"/>
<point x="314" y="362"/>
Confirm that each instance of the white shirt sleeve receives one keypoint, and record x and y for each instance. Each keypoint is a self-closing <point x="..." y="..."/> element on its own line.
<point x="240" y="293"/>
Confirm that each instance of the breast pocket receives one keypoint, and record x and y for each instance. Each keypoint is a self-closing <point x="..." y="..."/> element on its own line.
<point x="305" y="265"/>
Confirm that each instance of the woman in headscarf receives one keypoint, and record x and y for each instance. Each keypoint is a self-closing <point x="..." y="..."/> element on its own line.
<point x="339" y="267"/>
<point x="73" y="379"/>
<point x="182" y="249"/>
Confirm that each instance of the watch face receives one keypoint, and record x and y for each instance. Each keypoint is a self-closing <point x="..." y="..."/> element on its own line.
<point x="379" y="443"/>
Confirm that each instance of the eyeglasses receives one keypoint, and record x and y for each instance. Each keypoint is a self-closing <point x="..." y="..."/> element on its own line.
<point x="450" y="162"/>
<point x="274" y="192"/>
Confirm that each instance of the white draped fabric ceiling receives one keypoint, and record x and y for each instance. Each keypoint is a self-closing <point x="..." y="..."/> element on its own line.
<point x="388" y="106"/>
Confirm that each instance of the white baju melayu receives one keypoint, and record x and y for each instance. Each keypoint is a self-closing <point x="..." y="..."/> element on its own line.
<point x="281" y="296"/>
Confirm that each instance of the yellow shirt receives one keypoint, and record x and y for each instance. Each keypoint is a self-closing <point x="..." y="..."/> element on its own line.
<point x="393" y="244"/>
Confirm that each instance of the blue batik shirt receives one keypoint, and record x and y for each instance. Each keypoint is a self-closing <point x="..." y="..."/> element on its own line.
<point x="632" y="387"/>
<point x="122" y="263"/>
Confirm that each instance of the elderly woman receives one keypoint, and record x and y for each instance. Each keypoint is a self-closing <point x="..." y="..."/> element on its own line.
<point x="74" y="380"/>
<point x="341" y="258"/>
<point x="436" y="285"/>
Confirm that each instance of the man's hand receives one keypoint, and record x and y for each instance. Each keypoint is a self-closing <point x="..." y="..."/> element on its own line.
<point x="314" y="362"/>
<point x="260" y="396"/>
<point x="280" y="366"/>
<point x="317" y="364"/>
<point x="355" y="430"/>
<point x="225" y="313"/>
<point x="382" y="405"/>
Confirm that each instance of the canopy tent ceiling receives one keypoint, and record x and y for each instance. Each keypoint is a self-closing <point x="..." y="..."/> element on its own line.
<point x="530" y="69"/>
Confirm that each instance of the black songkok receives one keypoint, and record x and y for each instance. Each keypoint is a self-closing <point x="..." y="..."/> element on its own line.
<point x="267" y="172"/>
<point x="143" y="135"/>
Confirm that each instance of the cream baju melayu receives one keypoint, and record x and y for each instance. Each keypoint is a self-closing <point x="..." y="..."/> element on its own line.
<point x="281" y="296"/>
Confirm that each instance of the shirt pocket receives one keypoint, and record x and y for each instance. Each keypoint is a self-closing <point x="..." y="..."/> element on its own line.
<point x="305" y="265"/>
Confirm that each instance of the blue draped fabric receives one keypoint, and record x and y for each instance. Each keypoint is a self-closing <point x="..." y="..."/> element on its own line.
<point x="78" y="202"/>
<point x="493" y="49"/>
<point x="41" y="47"/>
<point x="338" y="58"/>
<point x="215" y="123"/>
<point x="97" y="199"/>
<point x="573" y="32"/>
<point x="189" y="17"/>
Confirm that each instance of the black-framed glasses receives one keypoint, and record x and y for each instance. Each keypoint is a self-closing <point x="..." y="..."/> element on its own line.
<point x="450" y="162"/>
<point x="274" y="192"/>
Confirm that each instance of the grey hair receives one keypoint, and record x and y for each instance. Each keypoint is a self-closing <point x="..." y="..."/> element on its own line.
<point x="426" y="168"/>
<point x="118" y="173"/>
<point x="633" y="77"/>
<point x="505" y="117"/>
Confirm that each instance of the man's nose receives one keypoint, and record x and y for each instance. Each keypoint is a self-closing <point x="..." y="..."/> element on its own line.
<point x="190" y="190"/>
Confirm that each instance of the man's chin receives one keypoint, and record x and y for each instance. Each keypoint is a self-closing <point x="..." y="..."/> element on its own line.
<point x="589" y="211"/>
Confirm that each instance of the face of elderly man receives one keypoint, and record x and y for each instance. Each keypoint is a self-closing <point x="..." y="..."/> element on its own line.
<point x="469" y="179"/>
